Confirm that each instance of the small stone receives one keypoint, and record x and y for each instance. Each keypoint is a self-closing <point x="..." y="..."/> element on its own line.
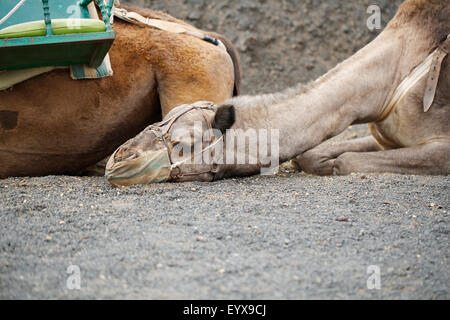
<point x="342" y="219"/>
<point x="202" y="239"/>
<point x="61" y="222"/>
<point x="48" y="238"/>
<point x="194" y="15"/>
<point x="222" y="271"/>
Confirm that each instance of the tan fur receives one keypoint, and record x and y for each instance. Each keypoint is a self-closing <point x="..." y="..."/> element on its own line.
<point x="416" y="142"/>
<point x="354" y="92"/>
<point x="65" y="125"/>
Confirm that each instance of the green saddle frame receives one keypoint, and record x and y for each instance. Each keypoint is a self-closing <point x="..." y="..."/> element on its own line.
<point x="69" y="39"/>
<point x="59" y="27"/>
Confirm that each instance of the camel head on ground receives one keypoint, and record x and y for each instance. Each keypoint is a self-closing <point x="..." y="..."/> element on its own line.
<point x="187" y="145"/>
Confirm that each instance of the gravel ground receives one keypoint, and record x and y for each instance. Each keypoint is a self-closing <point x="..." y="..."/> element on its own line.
<point x="290" y="236"/>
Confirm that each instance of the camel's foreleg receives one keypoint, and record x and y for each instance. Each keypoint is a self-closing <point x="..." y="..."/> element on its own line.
<point x="432" y="158"/>
<point x="95" y="170"/>
<point x="320" y="160"/>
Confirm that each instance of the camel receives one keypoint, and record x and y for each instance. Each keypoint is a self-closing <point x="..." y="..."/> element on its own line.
<point x="52" y="124"/>
<point x="404" y="140"/>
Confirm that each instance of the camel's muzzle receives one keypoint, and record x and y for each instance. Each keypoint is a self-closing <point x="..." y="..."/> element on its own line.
<point x="150" y="167"/>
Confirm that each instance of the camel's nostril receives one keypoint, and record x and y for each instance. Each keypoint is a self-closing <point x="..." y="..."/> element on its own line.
<point x="125" y="154"/>
<point x="118" y="156"/>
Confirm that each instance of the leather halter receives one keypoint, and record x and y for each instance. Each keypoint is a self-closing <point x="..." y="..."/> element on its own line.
<point x="435" y="70"/>
<point x="162" y="132"/>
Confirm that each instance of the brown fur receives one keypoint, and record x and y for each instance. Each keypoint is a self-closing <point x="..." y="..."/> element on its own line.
<point x="230" y="48"/>
<point x="236" y="61"/>
<point x="63" y="125"/>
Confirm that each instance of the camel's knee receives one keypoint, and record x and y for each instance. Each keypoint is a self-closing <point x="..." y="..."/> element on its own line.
<point x="343" y="165"/>
<point x="315" y="162"/>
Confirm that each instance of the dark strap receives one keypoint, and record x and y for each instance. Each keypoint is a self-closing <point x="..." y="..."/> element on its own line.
<point x="433" y="76"/>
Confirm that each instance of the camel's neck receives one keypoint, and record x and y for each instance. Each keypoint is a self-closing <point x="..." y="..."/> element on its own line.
<point x="353" y="92"/>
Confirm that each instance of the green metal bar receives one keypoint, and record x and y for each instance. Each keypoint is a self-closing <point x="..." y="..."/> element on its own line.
<point x="109" y="7"/>
<point x="79" y="37"/>
<point x="105" y="15"/>
<point x="105" y="11"/>
<point x="48" y="21"/>
<point x="84" y="3"/>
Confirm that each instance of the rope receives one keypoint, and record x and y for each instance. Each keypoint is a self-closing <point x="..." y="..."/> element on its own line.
<point x="12" y="11"/>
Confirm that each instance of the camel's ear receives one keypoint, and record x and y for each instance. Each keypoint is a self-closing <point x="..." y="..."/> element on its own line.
<point x="224" y="118"/>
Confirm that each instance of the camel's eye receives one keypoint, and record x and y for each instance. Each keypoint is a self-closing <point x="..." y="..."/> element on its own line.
<point x="181" y="149"/>
<point x="183" y="145"/>
<point x="181" y="153"/>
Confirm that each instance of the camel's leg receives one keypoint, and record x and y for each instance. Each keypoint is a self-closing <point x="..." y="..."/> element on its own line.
<point x="432" y="158"/>
<point x="320" y="160"/>
<point x="95" y="170"/>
